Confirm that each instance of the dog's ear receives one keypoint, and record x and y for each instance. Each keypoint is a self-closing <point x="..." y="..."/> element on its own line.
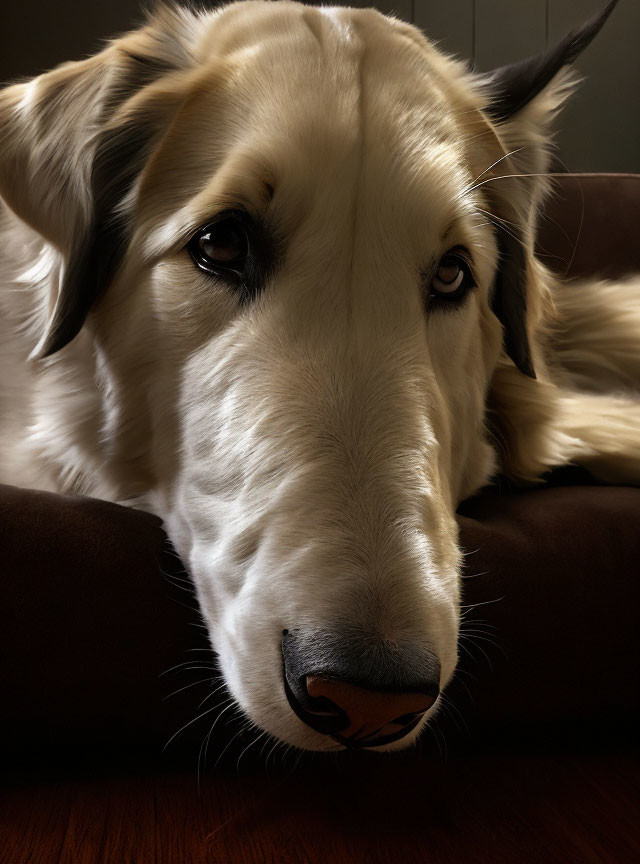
<point x="514" y="86"/>
<point x="521" y="100"/>
<point x="72" y="142"/>
<point x="509" y="301"/>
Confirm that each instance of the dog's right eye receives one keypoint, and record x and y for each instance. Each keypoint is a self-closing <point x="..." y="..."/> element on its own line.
<point x="221" y="248"/>
<point x="452" y="278"/>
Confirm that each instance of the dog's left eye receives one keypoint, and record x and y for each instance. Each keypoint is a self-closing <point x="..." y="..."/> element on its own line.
<point x="452" y="278"/>
<point x="222" y="247"/>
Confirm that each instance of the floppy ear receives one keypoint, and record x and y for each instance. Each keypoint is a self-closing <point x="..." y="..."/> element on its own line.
<point x="71" y="146"/>
<point x="521" y="100"/>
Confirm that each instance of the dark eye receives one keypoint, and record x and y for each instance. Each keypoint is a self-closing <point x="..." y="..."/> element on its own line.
<point x="222" y="247"/>
<point x="452" y="278"/>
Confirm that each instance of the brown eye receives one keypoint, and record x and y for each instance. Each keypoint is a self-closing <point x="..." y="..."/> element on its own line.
<point x="452" y="278"/>
<point x="221" y="247"/>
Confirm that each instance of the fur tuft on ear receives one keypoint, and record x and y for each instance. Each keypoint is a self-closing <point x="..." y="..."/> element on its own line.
<point x="70" y="152"/>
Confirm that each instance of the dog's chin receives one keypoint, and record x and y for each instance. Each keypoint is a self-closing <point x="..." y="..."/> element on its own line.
<point x="313" y="742"/>
<point x="328" y="744"/>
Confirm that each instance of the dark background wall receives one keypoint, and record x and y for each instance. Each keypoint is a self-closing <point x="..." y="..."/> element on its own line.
<point x="599" y="131"/>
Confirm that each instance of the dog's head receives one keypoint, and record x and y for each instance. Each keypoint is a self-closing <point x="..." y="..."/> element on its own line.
<point x="298" y="242"/>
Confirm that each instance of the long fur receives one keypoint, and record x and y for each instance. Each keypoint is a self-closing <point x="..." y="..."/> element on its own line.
<point x="306" y="452"/>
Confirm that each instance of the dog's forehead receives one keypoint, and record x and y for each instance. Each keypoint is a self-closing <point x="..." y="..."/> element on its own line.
<point x="324" y="96"/>
<point x="246" y="25"/>
<point x="321" y="58"/>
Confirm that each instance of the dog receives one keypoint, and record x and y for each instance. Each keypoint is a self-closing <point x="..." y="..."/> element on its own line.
<point x="268" y="271"/>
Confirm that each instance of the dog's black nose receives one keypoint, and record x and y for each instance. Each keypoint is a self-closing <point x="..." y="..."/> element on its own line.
<point x="362" y="693"/>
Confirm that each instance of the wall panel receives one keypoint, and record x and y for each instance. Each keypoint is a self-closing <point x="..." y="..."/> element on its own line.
<point x="450" y="23"/>
<point x="507" y="31"/>
<point x="600" y="127"/>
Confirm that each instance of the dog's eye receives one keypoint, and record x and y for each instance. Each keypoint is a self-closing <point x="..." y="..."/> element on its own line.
<point x="452" y="278"/>
<point x="221" y="247"/>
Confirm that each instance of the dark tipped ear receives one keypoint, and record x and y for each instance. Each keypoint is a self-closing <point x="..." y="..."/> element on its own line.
<point x="514" y="86"/>
<point x="99" y="249"/>
<point x="73" y="142"/>
<point x="509" y="301"/>
<point x="518" y="194"/>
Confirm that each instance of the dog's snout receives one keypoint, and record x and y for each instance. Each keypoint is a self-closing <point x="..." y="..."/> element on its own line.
<point x="363" y="693"/>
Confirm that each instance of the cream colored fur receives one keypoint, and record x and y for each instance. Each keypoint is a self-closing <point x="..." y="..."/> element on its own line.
<point x="306" y="452"/>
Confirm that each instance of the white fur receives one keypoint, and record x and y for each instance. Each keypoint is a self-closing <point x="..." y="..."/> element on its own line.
<point x="307" y="452"/>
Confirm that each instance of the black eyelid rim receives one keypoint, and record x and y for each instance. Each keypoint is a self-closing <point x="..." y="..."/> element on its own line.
<point x="459" y="252"/>
<point x="238" y="213"/>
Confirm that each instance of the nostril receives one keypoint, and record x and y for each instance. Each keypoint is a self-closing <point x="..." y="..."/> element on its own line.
<point x="320" y="713"/>
<point x="324" y="708"/>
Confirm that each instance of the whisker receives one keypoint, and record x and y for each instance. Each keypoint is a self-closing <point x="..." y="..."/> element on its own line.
<point x="511" y="234"/>
<point x="495" y="216"/>
<point x="197" y="668"/>
<point x="186" y="726"/>
<point x="437" y="734"/>
<point x="273" y="750"/>
<point x="186" y="687"/>
<point x="463" y="683"/>
<point x="222" y="686"/>
<point x="504" y="177"/>
<point x="467" y="674"/>
<point x="207" y="738"/>
<point x="476" y="622"/>
<point x="235" y="737"/>
<point x="482" y="603"/>
<point x="481" y="650"/>
<point x="187" y="663"/>
<point x="261" y="735"/>
<point x="479" y="634"/>
<point x="206" y="650"/>
<point x="177" y="584"/>
<point x="457" y="718"/>
<point x="475" y="575"/>
<point x="473" y="641"/>
<point x="493" y="165"/>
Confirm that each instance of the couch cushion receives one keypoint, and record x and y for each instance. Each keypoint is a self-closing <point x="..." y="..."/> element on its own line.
<point x="590" y="225"/>
<point x="95" y="614"/>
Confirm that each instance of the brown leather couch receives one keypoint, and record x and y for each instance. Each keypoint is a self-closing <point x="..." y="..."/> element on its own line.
<point x="532" y="760"/>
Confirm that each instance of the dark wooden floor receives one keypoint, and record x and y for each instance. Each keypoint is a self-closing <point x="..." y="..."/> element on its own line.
<point x="485" y="809"/>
